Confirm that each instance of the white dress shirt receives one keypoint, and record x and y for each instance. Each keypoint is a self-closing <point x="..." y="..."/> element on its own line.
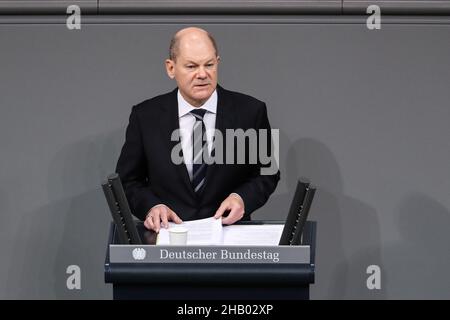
<point x="187" y="121"/>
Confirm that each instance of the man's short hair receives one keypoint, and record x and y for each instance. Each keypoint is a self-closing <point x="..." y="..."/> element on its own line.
<point x="175" y="45"/>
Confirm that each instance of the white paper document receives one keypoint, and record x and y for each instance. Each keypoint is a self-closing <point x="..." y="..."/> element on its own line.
<point x="200" y="232"/>
<point x="253" y="235"/>
<point x="210" y="231"/>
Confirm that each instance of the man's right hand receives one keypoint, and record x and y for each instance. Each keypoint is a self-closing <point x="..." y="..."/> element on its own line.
<point x="160" y="215"/>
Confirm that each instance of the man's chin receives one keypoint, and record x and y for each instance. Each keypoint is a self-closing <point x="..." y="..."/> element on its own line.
<point x="202" y="96"/>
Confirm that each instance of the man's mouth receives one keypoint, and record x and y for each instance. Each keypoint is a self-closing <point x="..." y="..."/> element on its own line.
<point x="201" y="85"/>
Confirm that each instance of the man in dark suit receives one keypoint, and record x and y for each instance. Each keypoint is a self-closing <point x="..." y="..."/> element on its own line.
<point x="160" y="189"/>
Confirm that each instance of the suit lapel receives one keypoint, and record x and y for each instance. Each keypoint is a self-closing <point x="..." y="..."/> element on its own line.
<point x="168" y="124"/>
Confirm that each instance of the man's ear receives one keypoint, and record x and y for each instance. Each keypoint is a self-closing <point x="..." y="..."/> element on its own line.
<point x="218" y="59"/>
<point x="170" y="68"/>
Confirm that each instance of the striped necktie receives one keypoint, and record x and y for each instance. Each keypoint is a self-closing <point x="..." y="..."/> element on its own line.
<point x="199" y="147"/>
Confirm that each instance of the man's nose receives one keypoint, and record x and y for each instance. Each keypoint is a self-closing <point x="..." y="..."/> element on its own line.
<point x="201" y="74"/>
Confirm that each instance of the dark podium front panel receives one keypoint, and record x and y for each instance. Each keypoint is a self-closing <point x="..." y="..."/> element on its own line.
<point x="211" y="281"/>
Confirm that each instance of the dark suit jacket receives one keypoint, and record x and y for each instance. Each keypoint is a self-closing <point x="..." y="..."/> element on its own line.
<point x="150" y="177"/>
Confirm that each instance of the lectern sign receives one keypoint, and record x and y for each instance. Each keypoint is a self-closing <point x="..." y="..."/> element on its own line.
<point x="209" y="254"/>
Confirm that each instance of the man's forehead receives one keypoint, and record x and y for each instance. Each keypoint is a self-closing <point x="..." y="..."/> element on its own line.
<point x="196" y="46"/>
<point x="197" y="54"/>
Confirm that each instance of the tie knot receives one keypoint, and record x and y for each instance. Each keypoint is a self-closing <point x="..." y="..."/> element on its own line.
<point x="198" y="114"/>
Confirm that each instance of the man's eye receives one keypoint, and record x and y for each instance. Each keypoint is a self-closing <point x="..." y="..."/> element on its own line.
<point x="190" y="67"/>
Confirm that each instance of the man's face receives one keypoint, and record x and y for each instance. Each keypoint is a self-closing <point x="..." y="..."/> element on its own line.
<point x="195" y="70"/>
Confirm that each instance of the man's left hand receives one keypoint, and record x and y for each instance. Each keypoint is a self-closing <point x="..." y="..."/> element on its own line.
<point x="235" y="205"/>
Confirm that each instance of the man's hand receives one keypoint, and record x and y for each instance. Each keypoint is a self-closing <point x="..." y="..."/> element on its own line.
<point x="160" y="216"/>
<point x="235" y="204"/>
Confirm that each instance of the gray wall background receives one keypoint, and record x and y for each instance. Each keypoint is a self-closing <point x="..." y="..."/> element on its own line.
<point x="363" y="114"/>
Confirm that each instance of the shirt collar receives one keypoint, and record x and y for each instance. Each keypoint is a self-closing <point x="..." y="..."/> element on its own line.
<point x="185" y="107"/>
